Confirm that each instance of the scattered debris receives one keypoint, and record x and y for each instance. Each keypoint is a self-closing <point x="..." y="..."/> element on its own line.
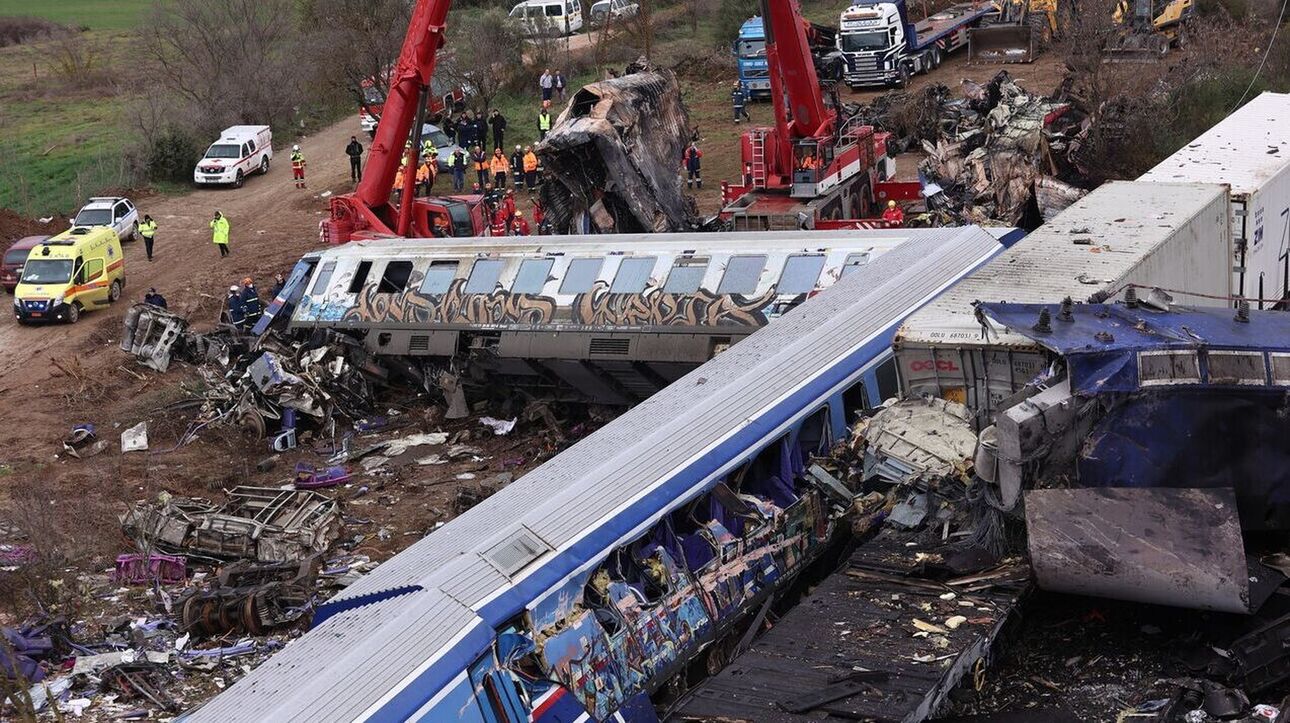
<point x="135" y="439"/>
<point x="140" y="569"/>
<point x="83" y="442"/>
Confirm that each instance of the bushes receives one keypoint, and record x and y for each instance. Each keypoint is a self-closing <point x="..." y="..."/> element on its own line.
<point x="731" y="14"/>
<point x="172" y="156"/>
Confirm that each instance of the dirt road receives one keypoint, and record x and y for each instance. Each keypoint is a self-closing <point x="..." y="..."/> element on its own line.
<point x="272" y="223"/>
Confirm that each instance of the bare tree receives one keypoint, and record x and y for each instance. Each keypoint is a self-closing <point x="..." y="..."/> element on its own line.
<point x="350" y="43"/>
<point x="485" y="55"/>
<point x="227" y="61"/>
<point x="641" y="28"/>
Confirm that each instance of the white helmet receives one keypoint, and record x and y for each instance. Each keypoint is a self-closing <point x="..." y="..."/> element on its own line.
<point x="295" y="147"/>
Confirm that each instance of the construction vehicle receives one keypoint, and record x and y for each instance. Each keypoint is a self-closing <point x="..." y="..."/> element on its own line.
<point x="1148" y="28"/>
<point x="818" y="167"/>
<point x="1015" y="34"/>
<point x="750" y="55"/>
<point x="370" y="212"/>
<point x="881" y="46"/>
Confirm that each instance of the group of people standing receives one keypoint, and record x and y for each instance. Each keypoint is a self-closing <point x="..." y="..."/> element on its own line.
<point x="243" y="306"/>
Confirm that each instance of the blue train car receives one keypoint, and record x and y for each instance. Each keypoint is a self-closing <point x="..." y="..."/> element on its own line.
<point x="587" y="588"/>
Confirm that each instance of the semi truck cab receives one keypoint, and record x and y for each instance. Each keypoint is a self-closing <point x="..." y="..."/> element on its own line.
<point x="750" y="57"/>
<point x="881" y="46"/>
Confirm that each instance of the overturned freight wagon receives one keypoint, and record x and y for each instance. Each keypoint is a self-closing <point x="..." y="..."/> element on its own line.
<point x="1171" y="236"/>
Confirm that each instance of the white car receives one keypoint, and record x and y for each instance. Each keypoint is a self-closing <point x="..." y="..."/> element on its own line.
<point x="115" y="213"/>
<point x="612" y="10"/>
<point x="548" y="17"/>
<point x="239" y="152"/>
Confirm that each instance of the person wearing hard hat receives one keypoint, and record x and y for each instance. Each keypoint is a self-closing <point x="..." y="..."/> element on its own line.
<point x="298" y="166"/>
<point x="893" y="215"/>
<point x="252" y="307"/>
<point x="234" y="312"/>
<point x="519" y="227"/>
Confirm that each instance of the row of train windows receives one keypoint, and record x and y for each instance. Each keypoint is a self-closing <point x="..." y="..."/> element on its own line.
<point x="799" y="276"/>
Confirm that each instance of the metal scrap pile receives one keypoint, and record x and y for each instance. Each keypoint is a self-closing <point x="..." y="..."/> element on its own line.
<point x="611" y="160"/>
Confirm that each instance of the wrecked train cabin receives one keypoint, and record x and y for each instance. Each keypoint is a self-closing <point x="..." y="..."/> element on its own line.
<point x="1171" y="236"/>
<point x="599" y="583"/>
<point x="611" y="318"/>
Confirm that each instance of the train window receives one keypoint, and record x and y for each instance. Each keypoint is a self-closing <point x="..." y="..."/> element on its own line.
<point x="360" y="277"/>
<point x="633" y="274"/>
<point x="395" y="278"/>
<point x="439" y="277"/>
<point x="686" y="276"/>
<point x="1168" y="367"/>
<point x="854" y="401"/>
<point x="580" y="275"/>
<point x="801" y="272"/>
<point x="483" y="276"/>
<point x="888" y="380"/>
<point x="854" y="262"/>
<point x="532" y="276"/>
<point x="323" y="278"/>
<point x="742" y="273"/>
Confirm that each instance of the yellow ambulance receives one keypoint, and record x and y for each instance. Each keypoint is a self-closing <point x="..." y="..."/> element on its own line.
<point x="76" y="271"/>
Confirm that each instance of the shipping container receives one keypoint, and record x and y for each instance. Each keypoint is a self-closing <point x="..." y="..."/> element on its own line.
<point x="1174" y="236"/>
<point x="1250" y="152"/>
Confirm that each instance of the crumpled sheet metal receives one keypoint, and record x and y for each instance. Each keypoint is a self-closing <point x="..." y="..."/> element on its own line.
<point x="919" y="439"/>
<point x="614" y="155"/>
<point x="1163" y="546"/>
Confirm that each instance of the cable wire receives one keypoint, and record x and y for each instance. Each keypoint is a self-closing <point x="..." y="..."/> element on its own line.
<point x="1267" y="51"/>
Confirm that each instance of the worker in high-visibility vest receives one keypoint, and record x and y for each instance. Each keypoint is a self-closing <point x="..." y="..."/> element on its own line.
<point x="219" y="233"/>
<point x="298" y="166"/>
<point x="530" y="168"/>
<point x="423" y="178"/>
<point x="544" y="123"/>
<point x="398" y="184"/>
<point x="428" y="150"/>
<point x="480" y="162"/>
<point x="693" y="166"/>
<point x="148" y="230"/>
<point x="500" y="167"/>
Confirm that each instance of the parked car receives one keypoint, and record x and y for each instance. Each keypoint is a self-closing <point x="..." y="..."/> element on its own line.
<point x="442" y="142"/>
<point x="14" y="258"/>
<point x="113" y="212"/>
<point x="612" y="10"/>
<point x="239" y="152"/>
<point x="548" y="17"/>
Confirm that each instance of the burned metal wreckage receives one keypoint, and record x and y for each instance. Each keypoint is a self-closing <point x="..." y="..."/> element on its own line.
<point x="611" y="158"/>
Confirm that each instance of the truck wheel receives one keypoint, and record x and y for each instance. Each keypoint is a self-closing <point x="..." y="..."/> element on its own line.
<point x="936" y="58"/>
<point x="134" y="232"/>
<point x="73" y="313"/>
<point x="902" y="81"/>
<point x="264" y="165"/>
<point x="237" y="183"/>
<point x="114" y="293"/>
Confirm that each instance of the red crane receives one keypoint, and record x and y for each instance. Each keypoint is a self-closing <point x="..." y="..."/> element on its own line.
<point x="369" y="211"/>
<point x="814" y="168"/>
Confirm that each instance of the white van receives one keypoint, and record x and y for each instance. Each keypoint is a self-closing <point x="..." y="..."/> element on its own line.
<point x="548" y="17"/>
<point x="606" y="11"/>
<point x="239" y="152"/>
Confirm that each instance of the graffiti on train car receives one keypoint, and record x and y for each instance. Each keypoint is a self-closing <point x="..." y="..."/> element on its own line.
<point x="618" y="631"/>
<point x="597" y="307"/>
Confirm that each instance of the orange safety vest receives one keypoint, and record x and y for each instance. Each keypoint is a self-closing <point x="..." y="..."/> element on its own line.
<point x="530" y="162"/>
<point x="500" y="164"/>
<point x="423" y="173"/>
<point x="808" y="162"/>
<point x="398" y="181"/>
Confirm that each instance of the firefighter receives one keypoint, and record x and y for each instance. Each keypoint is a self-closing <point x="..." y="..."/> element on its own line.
<point x="508" y="203"/>
<point x="544" y="123"/>
<point x="517" y="168"/>
<point x="519" y="227"/>
<point x="219" y="233"/>
<point x="457" y="164"/>
<point x="539" y="217"/>
<point x="500" y="167"/>
<point x="530" y="168"/>
<point x="252" y="307"/>
<point x="690" y="161"/>
<point x="355" y="152"/>
<point x="480" y="162"/>
<point x="894" y="215"/>
<point x="298" y="166"/>
<point x="498" y="123"/>
<point x="498" y="225"/>
<point x="739" y="98"/>
<point x="234" y="312"/>
<point x="148" y="230"/>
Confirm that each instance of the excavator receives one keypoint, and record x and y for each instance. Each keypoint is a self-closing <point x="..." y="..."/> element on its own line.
<point x="818" y="166"/>
<point x="1015" y="33"/>
<point x="1148" y="29"/>
<point x="370" y="211"/>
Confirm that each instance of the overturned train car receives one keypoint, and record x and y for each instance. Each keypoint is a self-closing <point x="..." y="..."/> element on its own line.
<point x="594" y="587"/>
<point x="613" y="318"/>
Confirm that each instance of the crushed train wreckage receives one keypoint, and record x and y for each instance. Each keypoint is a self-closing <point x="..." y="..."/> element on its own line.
<point x="611" y="158"/>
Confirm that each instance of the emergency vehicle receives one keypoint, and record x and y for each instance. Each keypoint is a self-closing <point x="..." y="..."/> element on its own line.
<point x="76" y="271"/>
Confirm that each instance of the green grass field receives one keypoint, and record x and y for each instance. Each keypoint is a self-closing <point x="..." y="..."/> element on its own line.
<point x="95" y="14"/>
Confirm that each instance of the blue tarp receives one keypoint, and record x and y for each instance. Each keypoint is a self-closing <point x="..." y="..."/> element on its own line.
<point x="1101" y="342"/>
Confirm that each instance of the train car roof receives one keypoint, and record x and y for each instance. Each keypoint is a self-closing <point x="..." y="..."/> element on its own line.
<point x="389" y="642"/>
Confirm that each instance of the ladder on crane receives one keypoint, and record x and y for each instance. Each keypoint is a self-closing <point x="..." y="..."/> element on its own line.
<point x="759" y="159"/>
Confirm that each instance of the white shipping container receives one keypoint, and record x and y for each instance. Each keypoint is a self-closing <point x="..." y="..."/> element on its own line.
<point x="1250" y="152"/>
<point x="1173" y="236"/>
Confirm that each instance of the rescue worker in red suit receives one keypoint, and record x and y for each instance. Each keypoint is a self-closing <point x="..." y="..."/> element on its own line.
<point x="497" y="227"/>
<point x="893" y="214"/>
<point x="519" y="227"/>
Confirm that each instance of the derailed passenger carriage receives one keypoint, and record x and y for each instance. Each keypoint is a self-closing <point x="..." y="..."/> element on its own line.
<point x="597" y="585"/>
<point x="632" y="312"/>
